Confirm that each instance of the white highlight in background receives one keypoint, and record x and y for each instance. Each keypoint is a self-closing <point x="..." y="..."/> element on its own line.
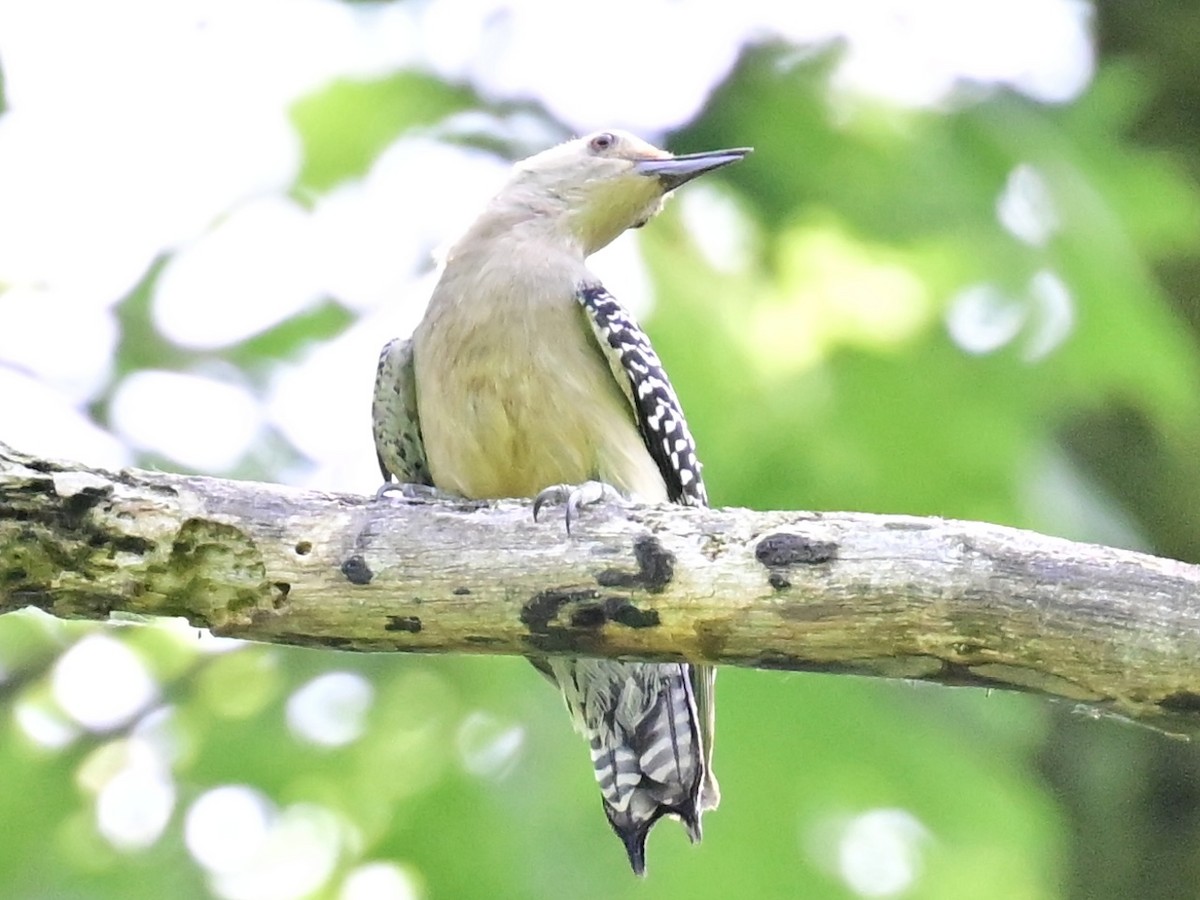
<point x="880" y="852"/>
<point x="42" y="420"/>
<point x="982" y="318"/>
<point x="135" y="804"/>
<point x="330" y="710"/>
<point x="204" y="424"/>
<point x="1025" y="207"/>
<point x="378" y="881"/>
<point x="44" y="725"/>
<point x="487" y="747"/>
<point x="101" y="683"/>
<point x="226" y="827"/>
<point x="255" y="269"/>
<point x="376" y="233"/>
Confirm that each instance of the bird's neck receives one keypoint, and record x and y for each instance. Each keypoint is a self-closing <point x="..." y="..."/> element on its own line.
<point x="531" y="237"/>
<point x="550" y="221"/>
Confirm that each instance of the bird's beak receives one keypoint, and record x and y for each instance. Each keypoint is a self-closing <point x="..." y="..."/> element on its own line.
<point x="672" y="171"/>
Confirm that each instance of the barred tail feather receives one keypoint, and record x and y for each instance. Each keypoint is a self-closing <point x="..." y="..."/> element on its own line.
<point x="704" y="682"/>
<point x="650" y="742"/>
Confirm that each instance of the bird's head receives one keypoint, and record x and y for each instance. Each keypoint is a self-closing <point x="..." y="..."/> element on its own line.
<point x="599" y="185"/>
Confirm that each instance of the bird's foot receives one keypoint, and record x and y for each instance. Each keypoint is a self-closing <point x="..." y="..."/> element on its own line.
<point x="413" y="493"/>
<point x="576" y="497"/>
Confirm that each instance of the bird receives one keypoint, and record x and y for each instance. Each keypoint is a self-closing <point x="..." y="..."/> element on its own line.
<point x="526" y="378"/>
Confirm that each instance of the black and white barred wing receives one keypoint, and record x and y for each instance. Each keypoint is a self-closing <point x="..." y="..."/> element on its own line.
<point x="641" y="375"/>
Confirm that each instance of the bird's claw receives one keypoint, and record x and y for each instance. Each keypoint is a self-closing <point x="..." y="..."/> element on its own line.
<point x="575" y="497"/>
<point x="417" y="493"/>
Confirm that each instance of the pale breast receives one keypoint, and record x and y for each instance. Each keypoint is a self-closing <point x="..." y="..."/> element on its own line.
<point x="515" y="395"/>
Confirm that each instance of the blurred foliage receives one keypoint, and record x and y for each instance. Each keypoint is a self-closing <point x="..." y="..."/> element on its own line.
<point x="345" y="126"/>
<point x="822" y="372"/>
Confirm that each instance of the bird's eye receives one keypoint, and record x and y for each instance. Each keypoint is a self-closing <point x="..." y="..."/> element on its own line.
<point x="602" y="142"/>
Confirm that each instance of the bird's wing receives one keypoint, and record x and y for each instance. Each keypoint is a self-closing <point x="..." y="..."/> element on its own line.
<point x="640" y="373"/>
<point x="395" y="422"/>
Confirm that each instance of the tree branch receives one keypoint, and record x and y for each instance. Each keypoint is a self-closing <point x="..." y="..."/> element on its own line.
<point x="952" y="602"/>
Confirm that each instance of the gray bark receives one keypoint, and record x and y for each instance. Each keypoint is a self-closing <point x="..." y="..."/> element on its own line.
<point x="960" y="603"/>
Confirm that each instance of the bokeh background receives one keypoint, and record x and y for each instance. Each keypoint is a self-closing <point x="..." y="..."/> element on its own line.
<point x="957" y="278"/>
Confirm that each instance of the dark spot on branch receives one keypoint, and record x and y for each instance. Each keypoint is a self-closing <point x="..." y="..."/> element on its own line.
<point x="712" y="637"/>
<point x="656" y="567"/>
<point x="543" y="607"/>
<point x="613" y="609"/>
<point x="411" y="624"/>
<point x="357" y="571"/>
<point x="481" y="639"/>
<point x="786" y="549"/>
<point x="778" y="581"/>
<point x="70" y="538"/>
<point x="282" y="589"/>
<point x="77" y="505"/>
<point x="657" y="564"/>
<point x="131" y="543"/>
<point x="631" y="616"/>
<point x="303" y="548"/>
<point x="589" y="616"/>
<point x="462" y="591"/>
<point x="1181" y="701"/>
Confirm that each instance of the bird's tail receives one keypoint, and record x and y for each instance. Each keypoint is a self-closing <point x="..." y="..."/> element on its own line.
<point x="650" y="730"/>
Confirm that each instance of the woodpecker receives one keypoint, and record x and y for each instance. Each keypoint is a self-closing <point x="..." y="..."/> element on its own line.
<point x="526" y="378"/>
